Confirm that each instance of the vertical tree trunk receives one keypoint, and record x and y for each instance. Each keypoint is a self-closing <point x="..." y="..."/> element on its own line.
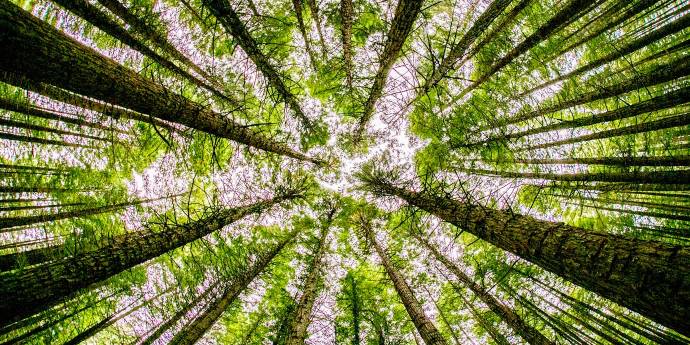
<point x="566" y="14"/>
<point x="405" y="15"/>
<point x="519" y="326"/>
<point x="297" y="6"/>
<point x="644" y="41"/>
<point x="314" y="9"/>
<point x="223" y="10"/>
<point x="424" y="325"/>
<point x="96" y="17"/>
<point x="39" y="52"/>
<point x="652" y="278"/>
<point x="458" y="50"/>
<point x="230" y="290"/>
<point x="40" y="287"/>
<point x="297" y="328"/>
<point x="346" y="15"/>
<point x="356" y="310"/>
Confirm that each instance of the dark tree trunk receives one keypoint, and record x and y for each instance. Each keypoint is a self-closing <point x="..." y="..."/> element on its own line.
<point x="227" y="17"/>
<point x="297" y="327"/>
<point x="191" y="333"/>
<point x="93" y="15"/>
<point x="40" y="287"/>
<point x="346" y="14"/>
<point x="649" y="277"/>
<point x="527" y="332"/>
<point x="32" y="127"/>
<point x="669" y="29"/>
<point x="613" y="161"/>
<point x="449" y="64"/>
<point x="405" y="15"/>
<point x="424" y="325"/>
<point x="566" y="14"/>
<point x="39" y="52"/>
<point x="356" y="311"/>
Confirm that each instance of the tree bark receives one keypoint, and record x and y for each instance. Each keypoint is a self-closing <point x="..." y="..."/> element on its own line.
<point x="97" y="18"/>
<point x="297" y="327"/>
<point x="668" y="29"/>
<point x="223" y="10"/>
<point x="656" y="161"/>
<point x="664" y="123"/>
<point x="657" y="75"/>
<point x="230" y="291"/>
<point x="568" y="13"/>
<point x="649" y="277"/>
<point x="424" y="325"/>
<point x="527" y="332"/>
<point x="39" y="52"/>
<point x="40" y="287"/>
<point x="637" y="177"/>
<point x="297" y="6"/>
<point x="449" y="64"/>
<point x="32" y="127"/>
<point x="346" y="15"/>
<point x="405" y="15"/>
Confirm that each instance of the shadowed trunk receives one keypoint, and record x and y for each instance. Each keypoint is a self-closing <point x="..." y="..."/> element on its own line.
<point x="39" y="52"/>
<point x="424" y="325"/>
<point x="519" y="326"/>
<point x="230" y="290"/>
<point x="405" y="15"/>
<point x="638" y="177"/>
<point x="346" y="13"/>
<point x="40" y="287"/>
<point x="635" y="273"/>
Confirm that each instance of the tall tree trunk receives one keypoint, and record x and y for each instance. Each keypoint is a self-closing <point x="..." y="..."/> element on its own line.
<point x="35" y="140"/>
<point x="638" y="177"/>
<point x="96" y="17"/>
<point x="40" y="287"/>
<point x="297" y="328"/>
<point x="664" y="123"/>
<point x="405" y="15"/>
<point x="497" y="337"/>
<point x="165" y="326"/>
<point x="39" y="52"/>
<point x="644" y="41"/>
<point x="230" y="290"/>
<point x="649" y="277"/>
<point x="32" y="127"/>
<point x="566" y="14"/>
<point x="27" y="109"/>
<point x="519" y="326"/>
<point x="448" y="65"/>
<point x="424" y="325"/>
<point x="657" y="75"/>
<point x="30" y="257"/>
<point x="356" y="311"/>
<point x="656" y="161"/>
<point x="150" y="33"/>
<point x="223" y="10"/>
<point x="10" y="222"/>
<point x="346" y="15"/>
<point x="314" y="9"/>
<point x="661" y="102"/>
<point x="297" y="6"/>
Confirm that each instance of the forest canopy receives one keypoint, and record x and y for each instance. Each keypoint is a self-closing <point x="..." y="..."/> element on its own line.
<point x="344" y="172"/>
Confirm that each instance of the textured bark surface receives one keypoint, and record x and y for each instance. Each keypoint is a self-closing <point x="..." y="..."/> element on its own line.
<point x="40" y="287"/>
<point x="657" y="75"/>
<point x="664" y="123"/>
<point x="565" y="14"/>
<point x="449" y="64"/>
<point x="39" y="52"/>
<point x="99" y="19"/>
<point x="227" y="17"/>
<point x="405" y="15"/>
<point x="346" y="14"/>
<point x="644" y="41"/>
<point x="649" y="277"/>
<point x="661" y="102"/>
<point x="424" y="325"/>
<point x="297" y="327"/>
<point x="527" y="332"/>
<point x="638" y="177"/>
<point x="617" y="161"/>
<point x="229" y="292"/>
